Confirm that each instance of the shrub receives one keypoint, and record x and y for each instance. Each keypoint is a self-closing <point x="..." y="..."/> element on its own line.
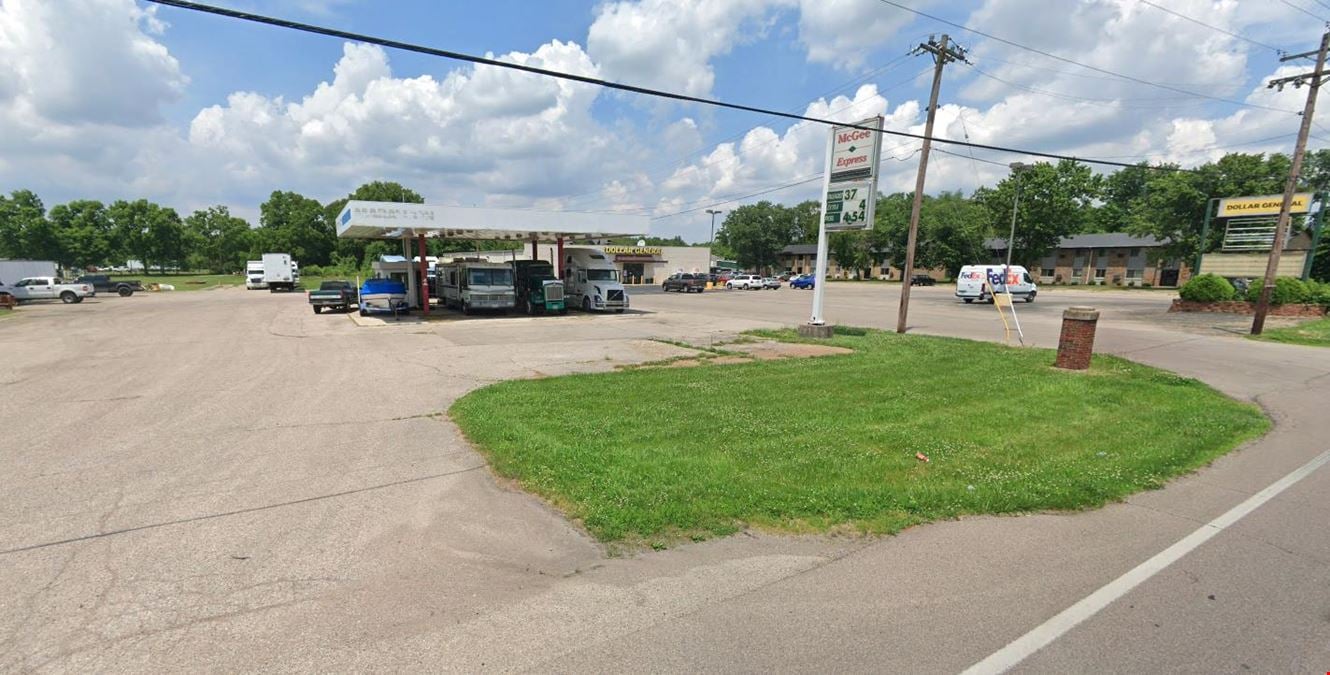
<point x="1207" y="288"/>
<point x="1288" y="291"/>
<point x="1318" y="293"/>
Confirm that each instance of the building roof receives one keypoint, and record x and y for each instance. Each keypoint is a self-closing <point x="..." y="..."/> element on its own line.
<point x="1097" y="240"/>
<point x="799" y="249"/>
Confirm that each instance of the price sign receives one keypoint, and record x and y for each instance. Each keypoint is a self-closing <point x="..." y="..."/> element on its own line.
<point x="848" y="206"/>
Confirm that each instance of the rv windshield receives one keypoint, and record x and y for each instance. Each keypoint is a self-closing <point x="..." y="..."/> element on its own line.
<point x="602" y="275"/>
<point x="493" y="277"/>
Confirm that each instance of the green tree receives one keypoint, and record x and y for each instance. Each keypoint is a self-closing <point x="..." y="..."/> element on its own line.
<point x="21" y="213"/>
<point x="223" y="240"/>
<point x="1120" y="192"/>
<point x="1056" y="200"/>
<point x="295" y="224"/>
<point x="166" y="237"/>
<point x="951" y="231"/>
<point x="83" y="231"/>
<point x="850" y="250"/>
<point x="757" y="233"/>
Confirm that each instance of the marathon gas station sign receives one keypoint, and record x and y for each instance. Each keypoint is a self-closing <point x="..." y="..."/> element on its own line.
<point x="851" y="192"/>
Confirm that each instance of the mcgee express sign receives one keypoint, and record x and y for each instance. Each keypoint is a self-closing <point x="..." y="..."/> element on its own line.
<point x="1266" y="205"/>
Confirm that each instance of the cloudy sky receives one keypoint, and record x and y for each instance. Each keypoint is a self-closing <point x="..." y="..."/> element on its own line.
<point x="114" y="99"/>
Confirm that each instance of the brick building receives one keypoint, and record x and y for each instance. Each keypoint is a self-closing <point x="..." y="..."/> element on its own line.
<point x="1110" y="259"/>
<point x="802" y="258"/>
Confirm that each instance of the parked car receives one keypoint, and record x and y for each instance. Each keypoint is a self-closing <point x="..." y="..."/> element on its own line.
<point x="750" y="282"/>
<point x="771" y="282"/>
<point x="922" y="280"/>
<point x="48" y="288"/>
<point x="334" y="294"/>
<point x="685" y="282"/>
<point x="102" y="283"/>
<point x="803" y="281"/>
<point x="787" y="276"/>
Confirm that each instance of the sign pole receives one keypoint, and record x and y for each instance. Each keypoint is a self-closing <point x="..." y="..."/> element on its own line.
<point x="1272" y="265"/>
<point x="820" y="268"/>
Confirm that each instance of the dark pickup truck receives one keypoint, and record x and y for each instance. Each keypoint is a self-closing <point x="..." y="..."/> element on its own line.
<point x="334" y="295"/>
<point x="687" y="283"/>
<point x="102" y="283"/>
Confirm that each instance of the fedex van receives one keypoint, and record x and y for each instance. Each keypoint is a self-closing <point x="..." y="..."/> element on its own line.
<point x="979" y="282"/>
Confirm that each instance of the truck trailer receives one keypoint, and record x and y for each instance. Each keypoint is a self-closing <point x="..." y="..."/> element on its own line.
<point x="279" y="272"/>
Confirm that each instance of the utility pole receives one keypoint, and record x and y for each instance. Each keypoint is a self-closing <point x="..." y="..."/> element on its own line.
<point x="943" y="53"/>
<point x="1313" y="82"/>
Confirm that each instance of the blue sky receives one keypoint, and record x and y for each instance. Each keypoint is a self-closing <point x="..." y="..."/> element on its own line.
<point x="120" y="99"/>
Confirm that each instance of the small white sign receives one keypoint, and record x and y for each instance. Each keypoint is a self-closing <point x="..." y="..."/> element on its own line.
<point x="849" y="206"/>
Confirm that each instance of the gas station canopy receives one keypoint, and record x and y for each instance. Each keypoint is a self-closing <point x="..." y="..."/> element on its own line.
<point x="393" y="220"/>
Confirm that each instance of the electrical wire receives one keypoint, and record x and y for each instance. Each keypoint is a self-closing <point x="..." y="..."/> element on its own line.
<point x="800" y="181"/>
<point x="1302" y="9"/>
<point x="1214" y="28"/>
<point x="1182" y="100"/>
<point x="1064" y="59"/>
<point x="645" y="91"/>
<point x="710" y="162"/>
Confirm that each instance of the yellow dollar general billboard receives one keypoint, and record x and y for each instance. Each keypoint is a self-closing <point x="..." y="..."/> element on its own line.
<point x="1267" y="205"/>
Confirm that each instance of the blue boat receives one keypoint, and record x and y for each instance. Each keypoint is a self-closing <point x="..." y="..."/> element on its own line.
<point x="383" y="295"/>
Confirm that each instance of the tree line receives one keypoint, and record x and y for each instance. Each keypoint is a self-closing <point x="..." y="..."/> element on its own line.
<point x="1056" y="200"/>
<point x="84" y="234"/>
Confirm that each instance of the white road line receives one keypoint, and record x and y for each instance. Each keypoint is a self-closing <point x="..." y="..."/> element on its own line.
<point x="1021" y="648"/>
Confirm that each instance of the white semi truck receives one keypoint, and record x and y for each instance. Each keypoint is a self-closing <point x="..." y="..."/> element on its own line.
<point x="254" y="275"/>
<point x="591" y="281"/>
<point x="279" y="272"/>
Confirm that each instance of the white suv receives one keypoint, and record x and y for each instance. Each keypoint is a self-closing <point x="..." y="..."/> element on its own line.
<point x="746" y="281"/>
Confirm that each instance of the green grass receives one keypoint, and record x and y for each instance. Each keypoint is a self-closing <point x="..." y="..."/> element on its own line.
<point x="1312" y="333"/>
<point x="649" y="456"/>
<point x="187" y="282"/>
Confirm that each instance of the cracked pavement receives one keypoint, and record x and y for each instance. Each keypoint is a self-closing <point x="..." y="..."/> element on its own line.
<point x="225" y="481"/>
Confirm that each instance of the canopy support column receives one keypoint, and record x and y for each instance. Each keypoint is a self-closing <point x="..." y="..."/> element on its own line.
<point x="424" y="275"/>
<point x="558" y="262"/>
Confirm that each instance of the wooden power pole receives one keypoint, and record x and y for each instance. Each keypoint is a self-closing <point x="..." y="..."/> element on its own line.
<point x="943" y="52"/>
<point x="1313" y="82"/>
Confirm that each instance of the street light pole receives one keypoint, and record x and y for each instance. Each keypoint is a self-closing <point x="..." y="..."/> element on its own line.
<point x="714" y="213"/>
<point x="1016" y="169"/>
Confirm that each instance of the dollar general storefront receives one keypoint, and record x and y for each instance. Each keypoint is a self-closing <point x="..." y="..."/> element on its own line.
<point x="653" y="264"/>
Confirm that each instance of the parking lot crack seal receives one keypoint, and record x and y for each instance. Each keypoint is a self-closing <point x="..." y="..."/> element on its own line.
<point x="253" y="509"/>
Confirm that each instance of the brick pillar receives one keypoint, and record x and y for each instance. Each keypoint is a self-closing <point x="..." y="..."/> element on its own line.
<point x="1076" y="343"/>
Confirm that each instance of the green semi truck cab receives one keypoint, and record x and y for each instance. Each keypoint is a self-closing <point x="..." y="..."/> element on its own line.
<point x="538" y="290"/>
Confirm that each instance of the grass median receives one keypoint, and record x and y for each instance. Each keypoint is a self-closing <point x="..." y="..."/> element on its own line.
<point x="654" y="455"/>
<point x="1312" y="334"/>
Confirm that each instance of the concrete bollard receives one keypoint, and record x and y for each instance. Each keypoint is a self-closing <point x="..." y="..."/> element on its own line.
<point x="819" y="331"/>
<point x="1076" y="343"/>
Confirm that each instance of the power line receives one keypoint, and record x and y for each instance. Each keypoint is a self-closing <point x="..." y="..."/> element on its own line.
<point x="1214" y="28"/>
<point x="1064" y="59"/>
<point x="486" y="61"/>
<point x="1302" y="9"/>
<point x="1072" y="97"/>
<point x="711" y="146"/>
<point x="1319" y="2"/>
<point x="799" y="181"/>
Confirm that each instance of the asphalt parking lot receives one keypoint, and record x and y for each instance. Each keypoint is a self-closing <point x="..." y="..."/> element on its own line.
<point x="223" y="480"/>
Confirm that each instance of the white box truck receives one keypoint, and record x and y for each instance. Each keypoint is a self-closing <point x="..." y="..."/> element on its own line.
<point x="13" y="270"/>
<point x="278" y="273"/>
<point x="591" y="281"/>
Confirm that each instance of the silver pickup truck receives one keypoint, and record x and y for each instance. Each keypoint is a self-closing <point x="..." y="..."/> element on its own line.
<point x="48" y="288"/>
